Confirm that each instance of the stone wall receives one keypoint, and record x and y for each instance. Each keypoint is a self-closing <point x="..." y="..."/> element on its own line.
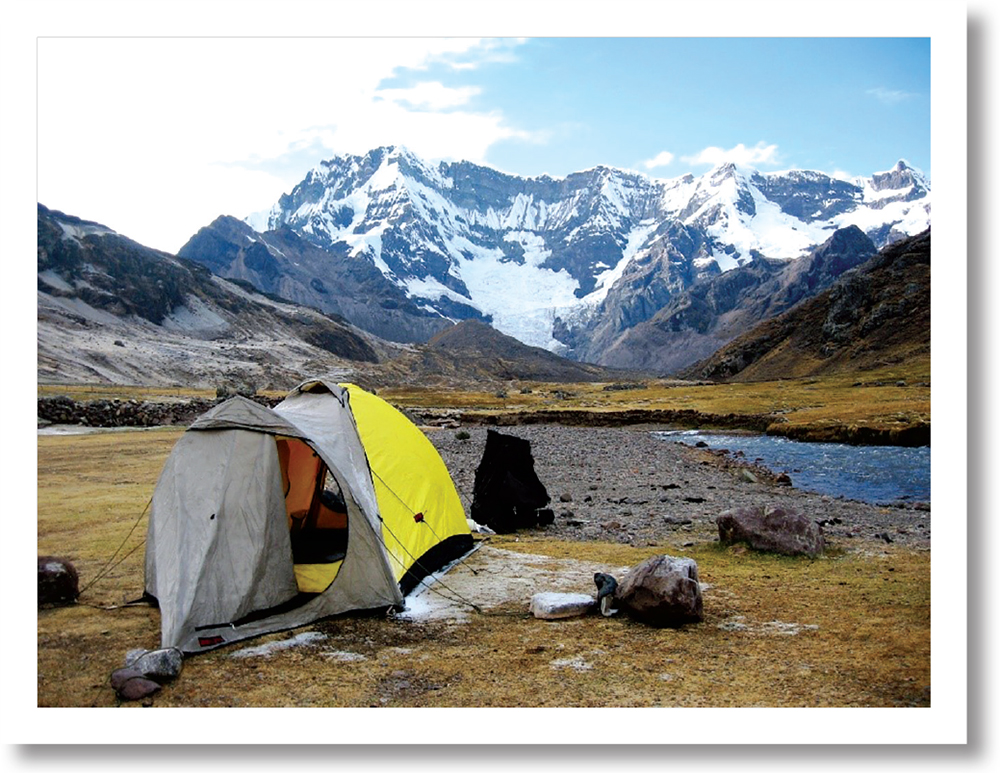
<point x="126" y="413"/>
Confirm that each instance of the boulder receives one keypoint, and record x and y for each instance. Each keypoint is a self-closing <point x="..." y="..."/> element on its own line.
<point x="556" y="606"/>
<point x="58" y="582"/>
<point x="159" y="665"/>
<point x="662" y="591"/>
<point x="773" y="529"/>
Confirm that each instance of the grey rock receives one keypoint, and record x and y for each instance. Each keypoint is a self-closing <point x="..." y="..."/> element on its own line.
<point x="662" y="591"/>
<point x="772" y="529"/>
<point x="133" y="655"/>
<point x="160" y="665"/>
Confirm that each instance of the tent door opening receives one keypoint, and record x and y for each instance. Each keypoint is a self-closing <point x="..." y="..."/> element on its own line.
<point x="317" y="515"/>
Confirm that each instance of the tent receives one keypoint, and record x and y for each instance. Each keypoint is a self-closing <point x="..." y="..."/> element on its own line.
<point x="266" y="519"/>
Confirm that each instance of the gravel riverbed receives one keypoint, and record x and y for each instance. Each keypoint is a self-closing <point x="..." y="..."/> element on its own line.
<point x="623" y="484"/>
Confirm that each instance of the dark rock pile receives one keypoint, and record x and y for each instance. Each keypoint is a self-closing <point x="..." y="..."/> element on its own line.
<point x="145" y="672"/>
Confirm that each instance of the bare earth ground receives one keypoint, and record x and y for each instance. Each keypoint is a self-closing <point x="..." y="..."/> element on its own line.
<point x="849" y="629"/>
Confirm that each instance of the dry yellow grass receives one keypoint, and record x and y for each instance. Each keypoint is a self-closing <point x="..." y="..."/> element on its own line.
<point x="858" y="630"/>
<point x="814" y="402"/>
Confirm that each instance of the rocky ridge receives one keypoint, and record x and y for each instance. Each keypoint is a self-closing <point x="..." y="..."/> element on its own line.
<point x="875" y="313"/>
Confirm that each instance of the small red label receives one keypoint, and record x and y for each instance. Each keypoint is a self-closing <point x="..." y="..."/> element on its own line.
<point x="419" y="518"/>
<point x="209" y="641"/>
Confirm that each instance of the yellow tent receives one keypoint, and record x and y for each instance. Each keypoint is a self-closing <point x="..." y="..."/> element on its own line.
<point x="422" y="515"/>
<point x="266" y="519"/>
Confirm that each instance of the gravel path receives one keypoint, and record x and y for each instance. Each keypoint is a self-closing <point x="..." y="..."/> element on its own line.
<point x="625" y="485"/>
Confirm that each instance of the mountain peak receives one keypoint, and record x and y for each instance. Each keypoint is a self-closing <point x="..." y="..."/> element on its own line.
<point x="901" y="176"/>
<point x="540" y="257"/>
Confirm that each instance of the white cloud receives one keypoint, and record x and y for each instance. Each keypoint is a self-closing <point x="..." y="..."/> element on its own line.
<point x="178" y="127"/>
<point x="890" y="96"/>
<point x="660" y="159"/>
<point x="759" y="155"/>
<point x="431" y="95"/>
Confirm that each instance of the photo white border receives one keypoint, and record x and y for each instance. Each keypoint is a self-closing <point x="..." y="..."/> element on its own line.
<point x="945" y="722"/>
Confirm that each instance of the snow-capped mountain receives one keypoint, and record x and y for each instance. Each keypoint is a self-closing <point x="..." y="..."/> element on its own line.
<point x="545" y="260"/>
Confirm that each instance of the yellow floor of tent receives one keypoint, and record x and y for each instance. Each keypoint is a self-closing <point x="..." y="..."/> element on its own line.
<point x="316" y="578"/>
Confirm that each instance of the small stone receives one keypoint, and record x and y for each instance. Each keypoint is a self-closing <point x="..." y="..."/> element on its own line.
<point x="122" y="675"/>
<point x="565" y="497"/>
<point x="137" y="689"/>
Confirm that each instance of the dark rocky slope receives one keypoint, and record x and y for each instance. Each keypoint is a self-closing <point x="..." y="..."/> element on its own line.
<point x="876" y="314"/>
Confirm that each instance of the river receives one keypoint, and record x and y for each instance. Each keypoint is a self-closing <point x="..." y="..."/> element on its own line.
<point x="874" y="474"/>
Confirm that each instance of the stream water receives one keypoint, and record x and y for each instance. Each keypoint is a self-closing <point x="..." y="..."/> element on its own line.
<point x="872" y="474"/>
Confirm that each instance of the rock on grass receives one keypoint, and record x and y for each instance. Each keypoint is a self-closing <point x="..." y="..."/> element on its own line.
<point x="772" y="529"/>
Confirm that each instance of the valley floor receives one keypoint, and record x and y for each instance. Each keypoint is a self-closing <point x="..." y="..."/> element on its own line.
<point x="849" y="629"/>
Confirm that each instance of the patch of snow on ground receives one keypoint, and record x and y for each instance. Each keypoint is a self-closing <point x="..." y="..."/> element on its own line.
<point x="263" y="650"/>
<point x="78" y="231"/>
<point x="778" y="235"/>
<point x="491" y="577"/>
<point x="774" y="627"/>
<point x="344" y="657"/>
<point x="577" y="664"/>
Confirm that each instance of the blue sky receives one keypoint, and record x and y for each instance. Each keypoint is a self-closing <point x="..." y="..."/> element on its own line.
<point x="199" y="127"/>
<point x="848" y="105"/>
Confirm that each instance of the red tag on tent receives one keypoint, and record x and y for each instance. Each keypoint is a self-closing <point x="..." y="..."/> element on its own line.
<point x="209" y="641"/>
<point x="419" y="518"/>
